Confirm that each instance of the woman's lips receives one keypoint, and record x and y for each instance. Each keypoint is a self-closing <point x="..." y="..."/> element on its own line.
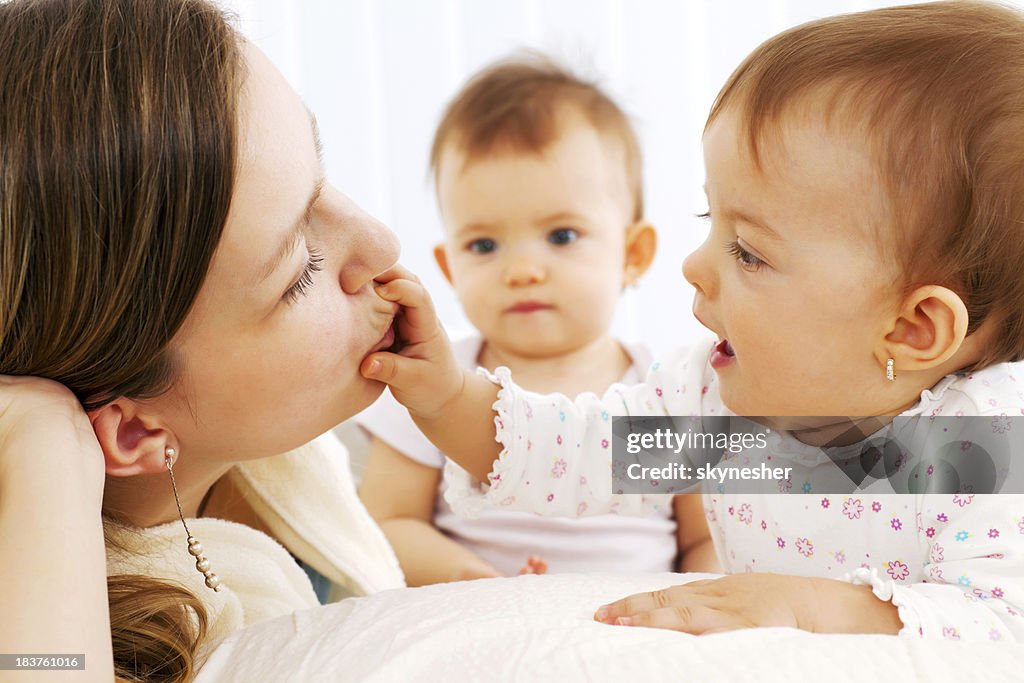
<point x="722" y="355"/>
<point x="528" y="307"/>
<point x="387" y="340"/>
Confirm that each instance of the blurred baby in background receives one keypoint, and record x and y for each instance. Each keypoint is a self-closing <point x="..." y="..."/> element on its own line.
<point x="539" y="183"/>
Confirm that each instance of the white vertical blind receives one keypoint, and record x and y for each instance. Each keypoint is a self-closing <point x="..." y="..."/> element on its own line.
<point x="377" y="73"/>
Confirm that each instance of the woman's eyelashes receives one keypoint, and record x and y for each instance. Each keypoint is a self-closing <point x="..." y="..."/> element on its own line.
<point x="305" y="281"/>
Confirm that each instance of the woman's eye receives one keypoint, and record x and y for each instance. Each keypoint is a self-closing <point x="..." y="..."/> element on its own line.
<point x="484" y="245"/>
<point x="305" y="281"/>
<point x="706" y="216"/>
<point x="563" y="236"/>
<point x="746" y="260"/>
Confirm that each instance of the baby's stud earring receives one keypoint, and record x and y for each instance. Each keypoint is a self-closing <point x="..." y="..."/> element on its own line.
<point x="890" y="370"/>
<point x="195" y="548"/>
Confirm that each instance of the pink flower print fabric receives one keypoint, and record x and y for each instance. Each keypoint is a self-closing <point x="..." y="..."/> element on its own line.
<point x="952" y="564"/>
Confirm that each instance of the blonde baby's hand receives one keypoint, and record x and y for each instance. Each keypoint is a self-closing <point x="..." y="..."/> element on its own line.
<point x="535" y="564"/>
<point x="751" y="600"/>
<point x="420" y="368"/>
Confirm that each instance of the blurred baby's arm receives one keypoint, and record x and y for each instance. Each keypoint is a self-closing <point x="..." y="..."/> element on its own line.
<point x="400" y="495"/>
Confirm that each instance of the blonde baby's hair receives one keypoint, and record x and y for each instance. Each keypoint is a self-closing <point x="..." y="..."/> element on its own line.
<point x="515" y="105"/>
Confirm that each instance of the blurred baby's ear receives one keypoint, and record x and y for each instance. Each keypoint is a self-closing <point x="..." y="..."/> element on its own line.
<point x="441" y="256"/>
<point x="641" y="245"/>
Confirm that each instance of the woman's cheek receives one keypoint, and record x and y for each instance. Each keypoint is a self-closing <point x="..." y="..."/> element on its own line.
<point x="342" y="331"/>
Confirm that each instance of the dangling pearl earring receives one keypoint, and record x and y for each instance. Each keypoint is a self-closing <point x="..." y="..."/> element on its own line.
<point x="195" y="548"/>
<point x="890" y="370"/>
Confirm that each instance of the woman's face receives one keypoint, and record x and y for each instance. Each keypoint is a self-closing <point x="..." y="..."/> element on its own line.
<point x="270" y="353"/>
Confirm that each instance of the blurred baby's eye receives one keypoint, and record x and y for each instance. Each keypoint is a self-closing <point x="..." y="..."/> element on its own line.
<point x="484" y="245"/>
<point x="563" y="236"/>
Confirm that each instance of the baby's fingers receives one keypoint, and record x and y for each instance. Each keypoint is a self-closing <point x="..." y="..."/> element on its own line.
<point x="391" y="368"/>
<point x="534" y="565"/>
<point x="396" y="272"/>
<point x="696" y="619"/>
<point x="420" y="385"/>
<point x="646" y="602"/>
<point x="419" y="320"/>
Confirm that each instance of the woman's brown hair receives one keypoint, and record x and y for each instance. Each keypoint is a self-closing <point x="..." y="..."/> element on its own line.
<point x="118" y="123"/>
<point x="937" y="90"/>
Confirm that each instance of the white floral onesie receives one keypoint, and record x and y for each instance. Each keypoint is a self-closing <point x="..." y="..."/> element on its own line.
<point x="952" y="564"/>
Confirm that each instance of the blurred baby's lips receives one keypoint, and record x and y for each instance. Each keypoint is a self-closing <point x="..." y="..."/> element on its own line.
<point x="528" y="306"/>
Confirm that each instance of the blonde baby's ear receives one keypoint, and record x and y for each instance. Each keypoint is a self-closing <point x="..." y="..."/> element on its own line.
<point x="930" y="327"/>
<point x="441" y="257"/>
<point x="641" y="246"/>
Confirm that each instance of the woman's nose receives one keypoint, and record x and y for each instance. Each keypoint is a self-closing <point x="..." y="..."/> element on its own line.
<point x="372" y="249"/>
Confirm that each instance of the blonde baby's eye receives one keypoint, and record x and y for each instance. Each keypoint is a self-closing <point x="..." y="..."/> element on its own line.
<point x="484" y="245"/>
<point x="563" y="236"/>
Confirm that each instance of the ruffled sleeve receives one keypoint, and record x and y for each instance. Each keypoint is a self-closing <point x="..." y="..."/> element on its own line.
<point x="556" y="456"/>
<point x="974" y="579"/>
<point x="973" y="583"/>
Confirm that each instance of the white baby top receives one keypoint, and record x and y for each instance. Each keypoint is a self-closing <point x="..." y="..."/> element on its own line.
<point x="952" y="564"/>
<point x="505" y="538"/>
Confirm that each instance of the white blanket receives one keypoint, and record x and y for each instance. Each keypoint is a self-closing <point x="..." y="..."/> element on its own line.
<point x="540" y="628"/>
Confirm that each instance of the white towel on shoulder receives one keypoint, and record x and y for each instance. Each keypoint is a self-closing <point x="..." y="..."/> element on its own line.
<point x="308" y="500"/>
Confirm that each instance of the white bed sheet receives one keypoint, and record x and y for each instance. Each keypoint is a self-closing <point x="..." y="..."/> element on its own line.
<point x="540" y="628"/>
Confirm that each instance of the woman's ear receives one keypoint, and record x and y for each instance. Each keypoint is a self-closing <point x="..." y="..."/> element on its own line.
<point x="929" y="329"/>
<point x="132" y="443"/>
<point x="441" y="256"/>
<point x="641" y="245"/>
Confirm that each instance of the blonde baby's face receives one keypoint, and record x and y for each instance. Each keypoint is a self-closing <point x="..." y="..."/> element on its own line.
<point x="535" y="243"/>
<point x="791" y="277"/>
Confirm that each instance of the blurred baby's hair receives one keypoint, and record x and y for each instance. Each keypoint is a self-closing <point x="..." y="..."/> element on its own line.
<point x="516" y="104"/>
<point x="938" y="91"/>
